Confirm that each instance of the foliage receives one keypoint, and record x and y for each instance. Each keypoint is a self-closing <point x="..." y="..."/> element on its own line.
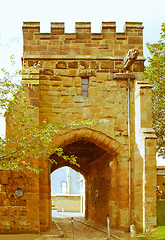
<point x="155" y="74"/>
<point x="26" y="139"/>
<point x="158" y="233"/>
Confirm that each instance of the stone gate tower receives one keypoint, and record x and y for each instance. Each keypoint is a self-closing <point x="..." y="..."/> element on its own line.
<point x="81" y="77"/>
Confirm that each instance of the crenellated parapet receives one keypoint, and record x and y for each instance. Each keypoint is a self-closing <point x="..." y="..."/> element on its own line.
<point x="107" y="43"/>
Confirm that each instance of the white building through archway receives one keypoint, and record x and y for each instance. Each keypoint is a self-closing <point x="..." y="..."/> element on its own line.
<point x="67" y="190"/>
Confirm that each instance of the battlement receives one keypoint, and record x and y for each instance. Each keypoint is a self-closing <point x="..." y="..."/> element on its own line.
<point x="106" y="43"/>
<point x="59" y="27"/>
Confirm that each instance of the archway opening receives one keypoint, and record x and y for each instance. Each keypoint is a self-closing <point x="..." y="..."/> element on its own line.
<point x="98" y="156"/>
<point x="67" y="193"/>
<point x="86" y="153"/>
<point x="99" y="169"/>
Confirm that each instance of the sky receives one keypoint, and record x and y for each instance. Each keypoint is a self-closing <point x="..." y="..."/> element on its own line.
<point x="14" y="12"/>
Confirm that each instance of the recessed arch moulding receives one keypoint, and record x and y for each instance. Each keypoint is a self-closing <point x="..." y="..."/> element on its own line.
<point x="85" y="143"/>
<point x="117" y="155"/>
<point x="98" y="156"/>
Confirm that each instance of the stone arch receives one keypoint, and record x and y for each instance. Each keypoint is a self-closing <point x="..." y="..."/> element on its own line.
<point x="102" y="140"/>
<point x="109" y="145"/>
<point x="100" y="176"/>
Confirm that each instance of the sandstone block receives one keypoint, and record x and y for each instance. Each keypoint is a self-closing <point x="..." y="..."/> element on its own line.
<point x="94" y="65"/>
<point x="135" y="40"/>
<point x="73" y="64"/>
<point x="4" y="179"/>
<point x="45" y="82"/>
<point x="68" y="82"/>
<point x="46" y="71"/>
<point x="61" y="65"/>
<point x="92" y="91"/>
<point x="55" y="83"/>
<point x="84" y="64"/>
<point x="72" y="73"/>
<point x="100" y="77"/>
<point x="107" y="65"/>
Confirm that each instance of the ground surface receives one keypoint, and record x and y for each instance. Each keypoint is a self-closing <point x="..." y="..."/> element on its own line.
<point x="63" y="227"/>
<point x="68" y="230"/>
<point x="76" y="230"/>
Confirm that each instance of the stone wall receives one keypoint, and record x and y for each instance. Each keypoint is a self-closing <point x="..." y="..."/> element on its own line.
<point x="103" y="193"/>
<point x="117" y="155"/>
<point x="108" y="43"/>
<point x="18" y="214"/>
<point x="144" y="158"/>
<point x="67" y="203"/>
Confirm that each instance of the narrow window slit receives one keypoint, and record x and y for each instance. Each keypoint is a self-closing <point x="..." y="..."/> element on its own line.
<point x="85" y="83"/>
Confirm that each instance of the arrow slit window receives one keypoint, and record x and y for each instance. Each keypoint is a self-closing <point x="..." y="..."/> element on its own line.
<point x="85" y="83"/>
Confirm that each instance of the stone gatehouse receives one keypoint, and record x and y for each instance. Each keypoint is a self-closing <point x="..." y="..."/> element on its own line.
<point x="81" y="77"/>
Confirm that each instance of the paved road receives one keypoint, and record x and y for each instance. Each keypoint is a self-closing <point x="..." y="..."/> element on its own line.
<point x="76" y="230"/>
<point x="63" y="228"/>
<point x="68" y="231"/>
<point x="73" y="229"/>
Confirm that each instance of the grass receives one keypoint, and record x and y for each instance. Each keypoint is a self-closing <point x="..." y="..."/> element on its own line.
<point x="158" y="233"/>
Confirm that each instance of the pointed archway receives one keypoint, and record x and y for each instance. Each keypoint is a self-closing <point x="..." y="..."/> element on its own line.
<point x="97" y="156"/>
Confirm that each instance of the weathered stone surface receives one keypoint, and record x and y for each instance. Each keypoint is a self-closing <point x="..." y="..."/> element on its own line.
<point x="61" y="64"/>
<point x="73" y="64"/>
<point x="46" y="71"/>
<point x="103" y="149"/>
